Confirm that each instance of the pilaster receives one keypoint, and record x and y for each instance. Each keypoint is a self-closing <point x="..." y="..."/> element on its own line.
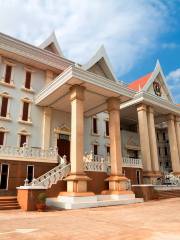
<point x="46" y="127"/>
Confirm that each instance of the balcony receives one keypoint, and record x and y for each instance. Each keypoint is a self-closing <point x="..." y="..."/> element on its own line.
<point x="26" y="153"/>
<point x="99" y="163"/>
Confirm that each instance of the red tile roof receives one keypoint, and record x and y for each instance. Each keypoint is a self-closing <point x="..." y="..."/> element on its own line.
<point x="139" y="83"/>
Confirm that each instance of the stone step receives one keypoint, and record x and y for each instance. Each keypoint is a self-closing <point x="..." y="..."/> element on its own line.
<point x="9" y="203"/>
<point x="168" y="194"/>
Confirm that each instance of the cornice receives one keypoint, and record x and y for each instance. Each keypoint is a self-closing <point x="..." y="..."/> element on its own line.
<point x="86" y="76"/>
<point x="33" y="53"/>
<point x="144" y="97"/>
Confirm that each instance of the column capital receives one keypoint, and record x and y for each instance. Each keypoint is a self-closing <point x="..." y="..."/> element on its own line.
<point x="142" y="107"/>
<point x="178" y="119"/>
<point x="150" y="109"/>
<point x="170" y="117"/>
<point x="113" y="103"/>
<point x="77" y="92"/>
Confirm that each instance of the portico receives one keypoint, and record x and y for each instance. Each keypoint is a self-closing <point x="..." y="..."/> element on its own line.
<point x="148" y="111"/>
<point x="83" y="94"/>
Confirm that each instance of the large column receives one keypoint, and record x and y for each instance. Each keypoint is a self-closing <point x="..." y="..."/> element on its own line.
<point x="46" y="127"/>
<point x="117" y="182"/>
<point x="177" y="127"/>
<point x="77" y="180"/>
<point x="173" y="145"/>
<point x="144" y="142"/>
<point x="153" y="142"/>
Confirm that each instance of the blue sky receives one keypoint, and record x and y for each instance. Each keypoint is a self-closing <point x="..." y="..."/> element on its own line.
<point x="135" y="33"/>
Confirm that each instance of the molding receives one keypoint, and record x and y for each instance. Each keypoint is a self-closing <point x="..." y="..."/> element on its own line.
<point x="85" y="76"/>
<point x="5" y="119"/>
<point x="10" y="85"/>
<point x="25" y="122"/>
<point x="152" y="100"/>
<point x="31" y="90"/>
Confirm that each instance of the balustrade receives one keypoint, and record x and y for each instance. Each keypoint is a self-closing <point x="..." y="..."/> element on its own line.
<point x="28" y="152"/>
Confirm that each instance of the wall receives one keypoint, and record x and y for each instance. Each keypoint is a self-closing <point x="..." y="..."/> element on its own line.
<point x="38" y="81"/>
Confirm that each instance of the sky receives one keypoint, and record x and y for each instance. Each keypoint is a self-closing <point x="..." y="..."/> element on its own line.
<point x="135" y="33"/>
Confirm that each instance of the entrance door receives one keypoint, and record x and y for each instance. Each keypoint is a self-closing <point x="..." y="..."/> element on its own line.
<point x="63" y="145"/>
<point x="4" y="176"/>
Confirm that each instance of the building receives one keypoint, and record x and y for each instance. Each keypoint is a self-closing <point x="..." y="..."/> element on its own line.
<point x="51" y="107"/>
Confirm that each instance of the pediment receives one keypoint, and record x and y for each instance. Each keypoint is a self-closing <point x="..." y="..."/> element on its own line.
<point x="157" y="85"/>
<point x="100" y="65"/>
<point x="51" y="44"/>
<point x="63" y="129"/>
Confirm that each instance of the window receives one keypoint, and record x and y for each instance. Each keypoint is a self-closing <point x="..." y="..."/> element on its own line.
<point x="167" y="164"/>
<point x="159" y="150"/>
<point x="157" y="136"/>
<point x="107" y="127"/>
<point x="23" y="139"/>
<point x="2" y="138"/>
<point x="138" y="177"/>
<point x="28" y="80"/>
<point x="8" y="74"/>
<point x="164" y="136"/>
<point x="4" y="176"/>
<point x="25" y="111"/>
<point x="94" y="123"/>
<point x="30" y="173"/>
<point x="95" y="149"/>
<point x="4" y="106"/>
<point x="165" y="151"/>
<point x="108" y="150"/>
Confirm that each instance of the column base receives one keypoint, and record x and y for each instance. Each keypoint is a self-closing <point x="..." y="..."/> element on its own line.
<point x="149" y="177"/>
<point x="77" y="186"/>
<point x="117" y="185"/>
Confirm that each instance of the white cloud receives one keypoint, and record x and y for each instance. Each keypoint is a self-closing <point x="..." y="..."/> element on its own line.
<point x="173" y="80"/>
<point x="128" y="29"/>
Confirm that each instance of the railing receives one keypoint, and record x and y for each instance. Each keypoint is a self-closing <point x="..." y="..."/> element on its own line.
<point x="28" y="152"/>
<point x="52" y="176"/>
<point x="99" y="163"/>
<point x="132" y="162"/>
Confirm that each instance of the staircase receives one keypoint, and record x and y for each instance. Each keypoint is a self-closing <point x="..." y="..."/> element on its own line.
<point x="9" y="203"/>
<point x="53" y="176"/>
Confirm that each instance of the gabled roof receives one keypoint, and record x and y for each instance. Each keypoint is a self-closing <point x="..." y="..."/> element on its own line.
<point x="51" y="44"/>
<point x="101" y="58"/>
<point x="139" y="84"/>
<point x="144" y="83"/>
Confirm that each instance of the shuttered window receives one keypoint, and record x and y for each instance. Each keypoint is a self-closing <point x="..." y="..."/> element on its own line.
<point x="95" y="150"/>
<point x="4" y="106"/>
<point x="95" y="129"/>
<point x="28" y="80"/>
<point x="1" y="138"/>
<point x="107" y="128"/>
<point x="22" y="140"/>
<point x="25" y="111"/>
<point x="8" y="74"/>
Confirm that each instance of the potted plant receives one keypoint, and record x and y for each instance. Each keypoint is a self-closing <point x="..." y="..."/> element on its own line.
<point x="41" y="202"/>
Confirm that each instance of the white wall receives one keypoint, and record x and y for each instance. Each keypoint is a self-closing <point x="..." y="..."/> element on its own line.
<point x="38" y="81"/>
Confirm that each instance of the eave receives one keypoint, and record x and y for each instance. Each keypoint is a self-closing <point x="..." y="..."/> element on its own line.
<point x="27" y="53"/>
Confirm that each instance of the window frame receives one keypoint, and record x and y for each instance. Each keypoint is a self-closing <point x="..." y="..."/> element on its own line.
<point x="92" y="126"/>
<point x="4" y="67"/>
<point x="27" y="100"/>
<point x="30" y="165"/>
<point x="5" y="95"/>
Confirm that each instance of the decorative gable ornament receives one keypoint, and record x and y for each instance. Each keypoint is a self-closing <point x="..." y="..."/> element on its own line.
<point x="157" y="88"/>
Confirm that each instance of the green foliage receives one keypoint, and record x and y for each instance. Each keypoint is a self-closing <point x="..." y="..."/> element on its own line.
<point x="42" y="197"/>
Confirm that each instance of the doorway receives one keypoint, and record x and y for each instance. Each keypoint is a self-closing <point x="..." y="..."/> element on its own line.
<point x="63" y="145"/>
<point x="4" y="174"/>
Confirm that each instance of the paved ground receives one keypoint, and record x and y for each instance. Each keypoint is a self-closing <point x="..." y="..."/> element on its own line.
<point x="153" y="220"/>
